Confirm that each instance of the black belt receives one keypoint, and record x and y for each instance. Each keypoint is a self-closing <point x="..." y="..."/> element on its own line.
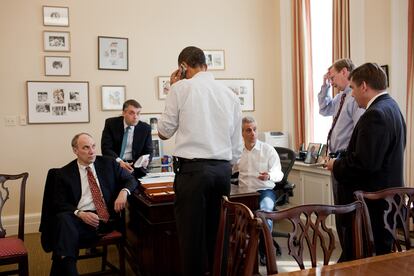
<point x="197" y="160"/>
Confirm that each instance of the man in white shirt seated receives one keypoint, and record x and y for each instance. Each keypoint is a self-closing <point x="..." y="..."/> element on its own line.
<point x="259" y="167"/>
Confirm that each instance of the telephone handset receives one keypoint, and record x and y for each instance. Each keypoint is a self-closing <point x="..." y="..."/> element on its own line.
<point x="183" y="71"/>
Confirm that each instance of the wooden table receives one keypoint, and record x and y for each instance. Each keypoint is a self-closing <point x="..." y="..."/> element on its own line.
<point x="151" y="233"/>
<point x="399" y="263"/>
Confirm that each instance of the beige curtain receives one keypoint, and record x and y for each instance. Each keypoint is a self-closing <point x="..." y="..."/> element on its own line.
<point x="409" y="173"/>
<point x="340" y="30"/>
<point x="302" y="71"/>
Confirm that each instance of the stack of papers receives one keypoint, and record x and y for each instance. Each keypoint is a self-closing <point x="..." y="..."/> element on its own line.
<point x="161" y="177"/>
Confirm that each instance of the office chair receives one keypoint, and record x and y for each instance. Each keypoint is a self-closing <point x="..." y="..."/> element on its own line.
<point x="284" y="188"/>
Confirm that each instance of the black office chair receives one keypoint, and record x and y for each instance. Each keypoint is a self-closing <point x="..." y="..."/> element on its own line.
<point x="284" y="189"/>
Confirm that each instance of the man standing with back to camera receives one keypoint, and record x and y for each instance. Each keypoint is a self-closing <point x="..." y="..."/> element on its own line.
<point x="374" y="159"/>
<point x="346" y="113"/>
<point x="206" y="118"/>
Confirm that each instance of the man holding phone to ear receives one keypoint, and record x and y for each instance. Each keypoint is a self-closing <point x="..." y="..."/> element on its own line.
<point x="206" y="117"/>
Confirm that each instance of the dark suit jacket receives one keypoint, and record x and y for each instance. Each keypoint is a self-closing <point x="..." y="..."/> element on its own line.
<point x="63" y="191"/>
<point x="113" y="133"/>
<point x="375" y="154"/>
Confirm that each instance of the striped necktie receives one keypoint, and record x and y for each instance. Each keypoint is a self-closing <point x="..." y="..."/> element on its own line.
<point x="97" y="197"/>
<point x="341" y="104"/>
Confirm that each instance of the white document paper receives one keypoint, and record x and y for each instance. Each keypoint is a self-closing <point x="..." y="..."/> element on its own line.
<point x="141" y="160"/>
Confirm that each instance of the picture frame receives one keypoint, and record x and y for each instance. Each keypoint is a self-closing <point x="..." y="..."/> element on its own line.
<point x="215" y="59"/>
<point x="156" y="147"/>
<point x="56" y="102"/>
<point x="112" y="53"/>
<point x="54" y="41"/>
<point x="243" y="89"/>
<point x="163" y="87"/>
<point x="152" y="120"/>
<point x="55" y="16"/>
<point x="57" y="66"/>
<point x="113" y="97"/>
<point x="312" y="153"/>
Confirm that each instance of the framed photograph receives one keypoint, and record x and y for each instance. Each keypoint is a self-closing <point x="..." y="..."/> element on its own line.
<point x="56" y="16"/>
<point x="113" y="97"/>
<point x="156" y="147"/>
<point x="112" y="53"/>
<point x="55" y="102"/>
<point x="244" y="90"/>
<point x="56" y="41"/>
<point x="57" y="66"/>
<point x="214" y="59"/>
<point x="313" y="153"/>
<point x="163" y="87"/>
<point x="152" y="120"/>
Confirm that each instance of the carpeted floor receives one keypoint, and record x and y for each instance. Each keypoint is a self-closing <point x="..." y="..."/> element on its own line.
<point x="40" y="262"/>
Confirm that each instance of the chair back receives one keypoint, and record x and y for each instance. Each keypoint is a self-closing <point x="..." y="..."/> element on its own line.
<point x="237" y="240"/>
<point x="310" y="226"/>
<point x="287" y="159"/>
<point x="398" y="212"/>
<point x="4" y="196"/>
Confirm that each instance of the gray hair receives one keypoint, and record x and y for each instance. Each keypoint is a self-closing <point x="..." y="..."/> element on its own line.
<point x="248" y="120"/>
<point x="75" y="138"/>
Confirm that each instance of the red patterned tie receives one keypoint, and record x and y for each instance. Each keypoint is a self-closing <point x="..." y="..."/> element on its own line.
<point x="97" y="197"/>
<point x="341" y="103"/>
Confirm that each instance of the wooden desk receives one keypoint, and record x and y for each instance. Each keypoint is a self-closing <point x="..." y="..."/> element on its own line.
<point x="151" y="232"/>
<point x="399" y="263"/>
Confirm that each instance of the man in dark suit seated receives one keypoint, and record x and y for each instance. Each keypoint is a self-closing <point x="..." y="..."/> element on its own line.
<point x="90" y="192"/>
<point x="125" y="138"/>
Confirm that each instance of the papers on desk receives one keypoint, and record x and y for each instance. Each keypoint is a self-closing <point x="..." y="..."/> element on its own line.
<point x="143" y="159"/>
<point x="161" y="177"/>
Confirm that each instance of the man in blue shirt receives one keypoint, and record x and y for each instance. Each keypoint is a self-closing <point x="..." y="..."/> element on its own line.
<point x="346" y="113"/>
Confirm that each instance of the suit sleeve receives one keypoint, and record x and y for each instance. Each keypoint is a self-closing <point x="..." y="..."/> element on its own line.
<point x="63" y="199"/>
<point x="370" y="149"/>
<point x="126" y="179"/>
<point x="107" y="141"/>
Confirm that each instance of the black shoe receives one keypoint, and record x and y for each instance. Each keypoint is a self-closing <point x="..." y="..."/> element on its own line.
<point x="278" y="248"/>
<point x="262" y="259"/>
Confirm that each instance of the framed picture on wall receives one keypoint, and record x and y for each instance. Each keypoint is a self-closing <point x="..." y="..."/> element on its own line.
<point x="214" y="59"/>
<point x="152" y="120"/>
<point x="244" y="90"/>
<point x="112" y="53"/>
<point x="56" y="16"/>
<point x="163" y="87"/>
<point x="56" y="41"/>
<point x="113" y="97"/>
<point x="55" y="102"/>
<point x="57" y="66"/>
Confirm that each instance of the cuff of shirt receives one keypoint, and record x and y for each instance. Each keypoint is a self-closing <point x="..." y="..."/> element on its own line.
<point x="76" y="212"/>
<point x="128" y="191"/>
<point x="118" y="159"/>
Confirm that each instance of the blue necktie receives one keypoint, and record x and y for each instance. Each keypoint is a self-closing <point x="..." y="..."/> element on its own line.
<point x="124" y="142"/>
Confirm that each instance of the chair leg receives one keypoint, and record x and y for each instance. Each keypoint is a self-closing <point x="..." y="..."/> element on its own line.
<point x="121" y="259"/>
<point x="104" y="257"/>
<point x="24" y="267"/>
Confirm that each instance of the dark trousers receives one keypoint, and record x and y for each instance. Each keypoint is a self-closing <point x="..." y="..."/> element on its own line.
<point x="199" y="187"/>
<point x="69" y="233"/>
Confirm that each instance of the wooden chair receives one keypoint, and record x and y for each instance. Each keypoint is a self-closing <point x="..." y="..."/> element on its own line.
<point x="237" y="240"/>
<point x="309" y="224"/>
<point x="398" y="212"/>
<point x="113" y="238"/>
<point x="12" y="249"/>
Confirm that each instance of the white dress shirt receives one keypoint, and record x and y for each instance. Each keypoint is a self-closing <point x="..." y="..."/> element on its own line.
<point x="86" y="200"/>
<point x="206" y="117"/>
<point x="261" y="158"/>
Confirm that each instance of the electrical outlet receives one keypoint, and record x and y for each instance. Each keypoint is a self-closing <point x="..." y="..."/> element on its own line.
<point x="11" y="120"/>
<point x="22" y="120"/>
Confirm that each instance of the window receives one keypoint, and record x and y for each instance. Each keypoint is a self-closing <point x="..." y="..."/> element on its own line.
<point x="321" y="28"/>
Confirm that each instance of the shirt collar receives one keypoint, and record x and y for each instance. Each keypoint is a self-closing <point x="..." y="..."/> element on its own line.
<point x="83" y="167"/>
<point x="125" y="126"/>
<point x="373" y="99"/>
<point x="257" y="146"/>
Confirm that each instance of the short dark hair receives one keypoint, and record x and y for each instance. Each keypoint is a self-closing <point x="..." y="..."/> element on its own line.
<point x="192" y="56"/>
<point x="75" y="139"/>
<point x="343" y="63"/>
<point x="372" y="74"/>
<point x="134" y="103"/>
